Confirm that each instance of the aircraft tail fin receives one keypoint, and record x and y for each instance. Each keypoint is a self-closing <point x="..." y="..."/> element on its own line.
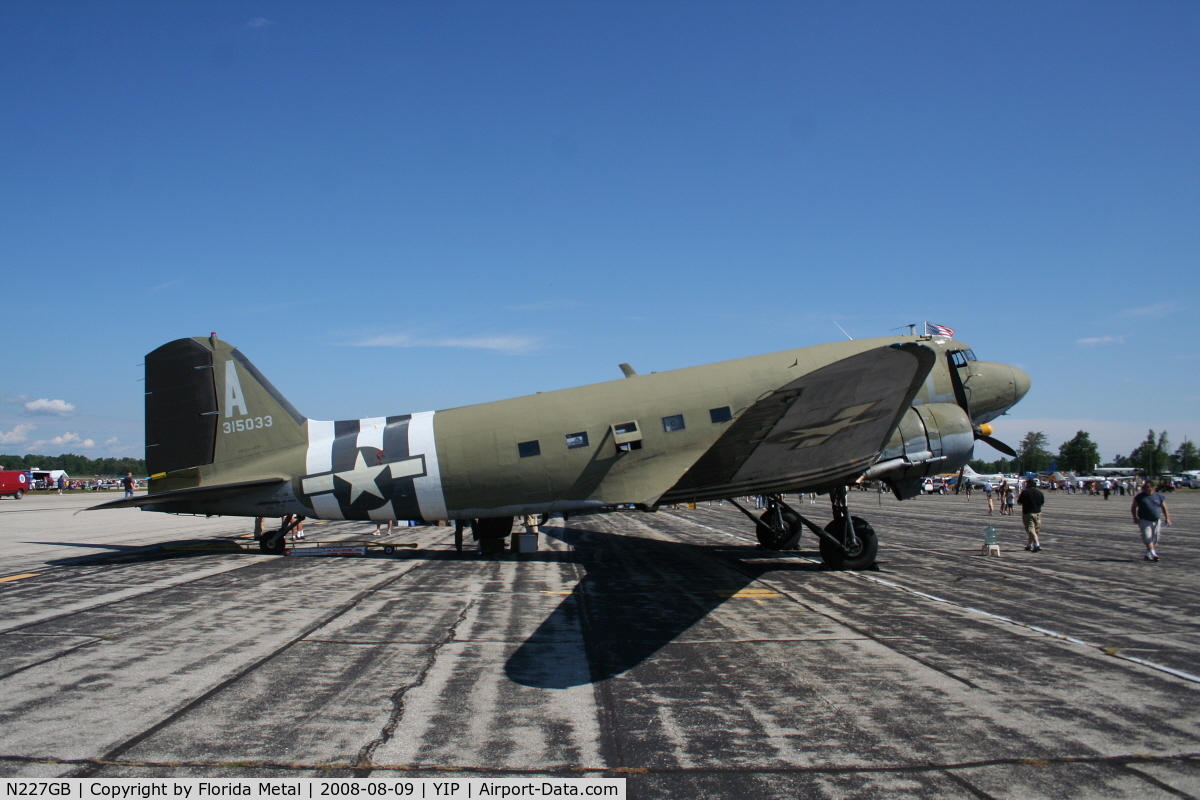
<point x="212" y="418"/>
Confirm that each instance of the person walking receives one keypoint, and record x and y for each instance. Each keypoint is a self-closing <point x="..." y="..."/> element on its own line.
<point x="991" y="498"/>
<point x="1032" y="499"/>
<point x="128" y="483"/>
<point x="1149" y="509"/>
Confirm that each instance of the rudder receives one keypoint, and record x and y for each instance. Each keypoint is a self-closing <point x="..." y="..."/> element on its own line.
<point x="211" y="416"/>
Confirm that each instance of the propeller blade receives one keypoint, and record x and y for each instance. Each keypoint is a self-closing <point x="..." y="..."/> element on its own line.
<point x="997" y="444"/>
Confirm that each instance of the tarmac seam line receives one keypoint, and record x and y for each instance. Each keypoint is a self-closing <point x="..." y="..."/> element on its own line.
<point x="123" y="595"/>
<point x="1125" y="760"/>
<point x="1109" y="651"/>
<point x="363" y="766"/>
<point x="137" y="739"/>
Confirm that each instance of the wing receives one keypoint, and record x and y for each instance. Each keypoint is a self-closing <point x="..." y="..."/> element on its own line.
<point x="814" y="432"/>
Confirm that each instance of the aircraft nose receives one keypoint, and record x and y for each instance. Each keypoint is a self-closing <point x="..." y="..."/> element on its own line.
<point x="1021" y="384"/>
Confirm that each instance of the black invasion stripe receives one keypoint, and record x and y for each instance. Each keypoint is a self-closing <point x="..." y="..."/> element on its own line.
<point x="395" y="438"/>
<point x="345" y="437"/>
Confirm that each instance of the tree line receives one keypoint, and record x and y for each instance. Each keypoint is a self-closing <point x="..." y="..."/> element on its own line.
<point x="1081" y="455"/>
<point x="76" y="466"/>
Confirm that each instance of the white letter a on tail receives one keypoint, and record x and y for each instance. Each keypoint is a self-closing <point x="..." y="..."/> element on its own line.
<point x="233" y="391"/>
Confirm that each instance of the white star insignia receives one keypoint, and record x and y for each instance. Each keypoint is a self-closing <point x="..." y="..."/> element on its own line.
<point x="362" y="478"/>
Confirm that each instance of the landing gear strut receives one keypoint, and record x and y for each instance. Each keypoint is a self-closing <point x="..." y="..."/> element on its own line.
<point x="846" y="543"/>
<point x="273" y="541"/>
<point x="779" y="526"/>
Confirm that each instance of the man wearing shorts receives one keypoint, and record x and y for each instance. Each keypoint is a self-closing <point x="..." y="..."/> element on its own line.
<point x="1149" y="510"/>
<point x="1031" y="500"/>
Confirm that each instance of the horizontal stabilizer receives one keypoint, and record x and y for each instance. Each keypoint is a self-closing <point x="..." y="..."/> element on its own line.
<point x="220" y="492"/>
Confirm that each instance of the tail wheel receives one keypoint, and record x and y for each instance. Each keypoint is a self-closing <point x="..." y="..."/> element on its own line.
<point x="860" y="556"/>
<point x="271" y="543"/>
<point x="775" y="527"/>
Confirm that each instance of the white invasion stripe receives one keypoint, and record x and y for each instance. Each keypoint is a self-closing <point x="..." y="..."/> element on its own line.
<point x="321" y="483"/>
<point x="370" y="432"/>
<point x="385" y="511"/>
<point x="430" y="498"/>
<point x="320" y="446"/>
<point x="326" y="506"/>
<point x="407" y="467"/>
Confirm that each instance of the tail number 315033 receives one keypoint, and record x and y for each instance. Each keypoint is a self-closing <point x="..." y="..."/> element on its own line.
<point x="248" y="424"/>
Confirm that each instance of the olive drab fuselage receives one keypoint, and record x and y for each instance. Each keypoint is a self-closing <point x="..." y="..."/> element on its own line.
<point x="222" y="440"/>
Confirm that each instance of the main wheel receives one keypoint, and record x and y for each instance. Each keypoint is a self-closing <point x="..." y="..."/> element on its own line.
<point x="775" y="527"/>
<point x="861" y="556"/>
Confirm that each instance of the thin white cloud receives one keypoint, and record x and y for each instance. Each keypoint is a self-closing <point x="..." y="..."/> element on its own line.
<point x="259" y="22"/>
<point x="508" y="344"/>
<point x="1099" y="340"/>
<point x="45" y="406"/>
<point x="1156" y="310"/>
<point x="70" y="438"/>
<point x="543" y="305"/>
<point x="17" y="398"/>
<point x="17" y="435"/>
<point x="110" y="442"/>
<point x="163" y="285"/>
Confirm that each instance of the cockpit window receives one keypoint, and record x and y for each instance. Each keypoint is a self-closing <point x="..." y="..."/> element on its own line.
<point x="971" y="355"/>
<point x="959" y="358"/>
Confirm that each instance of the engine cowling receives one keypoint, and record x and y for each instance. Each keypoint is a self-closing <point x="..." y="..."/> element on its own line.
<point x="931" y="438"/>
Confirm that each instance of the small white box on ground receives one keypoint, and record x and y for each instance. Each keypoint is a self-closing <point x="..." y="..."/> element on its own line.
<point x="527" y="543"/>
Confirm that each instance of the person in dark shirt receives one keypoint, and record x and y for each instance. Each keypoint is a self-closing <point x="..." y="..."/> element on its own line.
<point x="1149" y="510"/>
<point x="1031" y="500"/>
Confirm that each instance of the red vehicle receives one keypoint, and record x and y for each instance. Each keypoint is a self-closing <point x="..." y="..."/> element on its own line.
<point x="13" y="482"/>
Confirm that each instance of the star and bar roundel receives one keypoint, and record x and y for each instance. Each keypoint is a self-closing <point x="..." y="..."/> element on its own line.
<point x="376" y="468"/>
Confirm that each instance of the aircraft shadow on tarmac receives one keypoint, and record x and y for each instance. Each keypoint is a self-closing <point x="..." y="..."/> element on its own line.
<point x="638" y="595"/>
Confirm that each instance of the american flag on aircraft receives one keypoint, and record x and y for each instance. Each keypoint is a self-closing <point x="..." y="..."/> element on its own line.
<point x="938" y="330"/>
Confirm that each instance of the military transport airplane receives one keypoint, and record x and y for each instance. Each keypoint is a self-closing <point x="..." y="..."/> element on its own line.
<point x="221" y="440"/>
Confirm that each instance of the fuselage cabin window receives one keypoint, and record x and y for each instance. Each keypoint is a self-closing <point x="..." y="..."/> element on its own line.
<point x="673" y="423"/>
<point x="577" y="440"/>
<point x="527" y="449"/>
<point x="720" y="414"/>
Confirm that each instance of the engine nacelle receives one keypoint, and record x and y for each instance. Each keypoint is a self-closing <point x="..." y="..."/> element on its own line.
<point x="931" y="438"/>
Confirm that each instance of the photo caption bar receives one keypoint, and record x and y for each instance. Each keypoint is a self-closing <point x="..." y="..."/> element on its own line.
<point x="457" y="788"/>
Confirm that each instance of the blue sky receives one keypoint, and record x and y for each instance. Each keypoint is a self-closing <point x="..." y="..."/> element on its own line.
<point x="394" y="207"/>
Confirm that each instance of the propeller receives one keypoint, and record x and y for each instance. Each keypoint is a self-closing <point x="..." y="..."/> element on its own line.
<point x="982" y="433"/>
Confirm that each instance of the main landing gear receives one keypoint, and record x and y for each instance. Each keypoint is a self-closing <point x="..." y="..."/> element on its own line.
<point x="847" y="542"/>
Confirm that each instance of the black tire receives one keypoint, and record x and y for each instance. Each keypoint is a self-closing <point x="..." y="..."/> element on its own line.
<point x="389" y="550"/>
<point x="770" y="536"/>
<point x="18" y="494"/>
<point x="272" y="543"/>
<point x="863" y="557"/>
